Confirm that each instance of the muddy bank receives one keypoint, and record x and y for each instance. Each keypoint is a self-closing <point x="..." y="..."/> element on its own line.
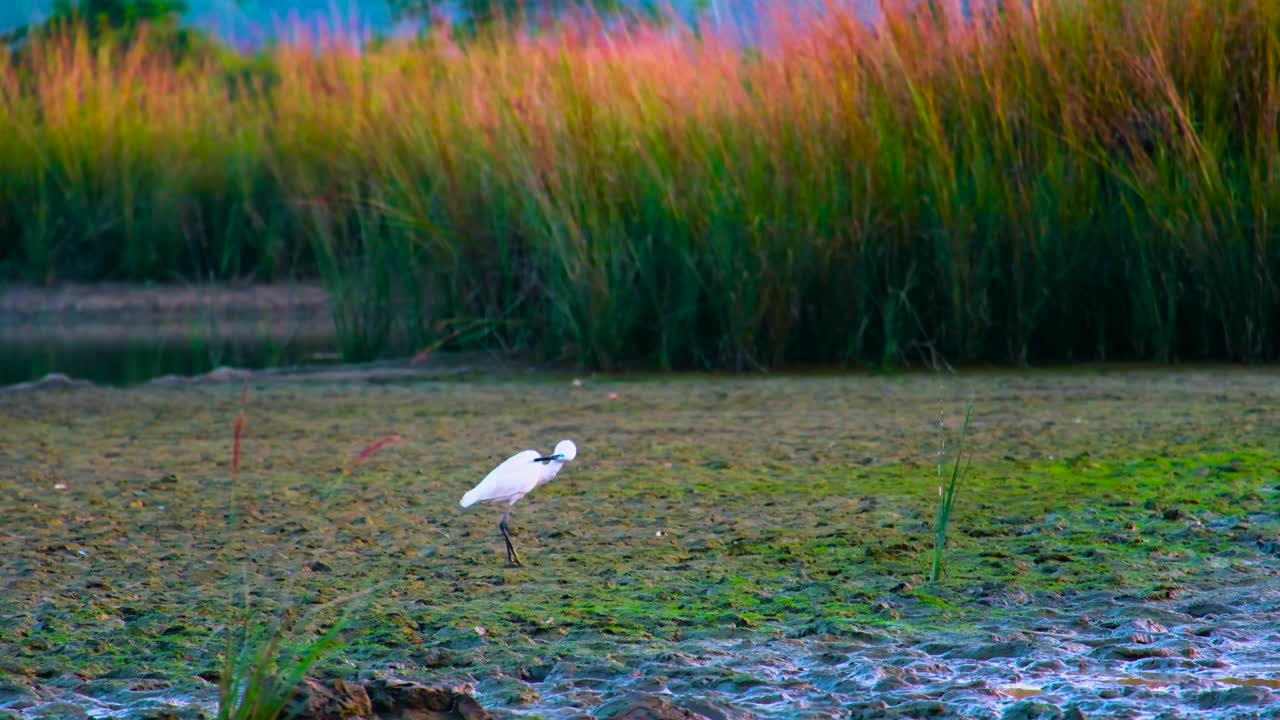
<point x="145" y="304"/>
<point x="729" y="547"/>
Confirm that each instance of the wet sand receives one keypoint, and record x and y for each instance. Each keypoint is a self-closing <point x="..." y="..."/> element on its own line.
<point x="740" y="547"/>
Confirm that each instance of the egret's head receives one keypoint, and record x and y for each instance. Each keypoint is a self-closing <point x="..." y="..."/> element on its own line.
<point x="566" y="451"/>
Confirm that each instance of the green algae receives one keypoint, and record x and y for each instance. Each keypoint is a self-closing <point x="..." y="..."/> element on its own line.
<point x="698" y="508"/>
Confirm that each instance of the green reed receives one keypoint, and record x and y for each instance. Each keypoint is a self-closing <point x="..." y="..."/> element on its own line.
<point x="948" y="491"/>
<point x="1051" y="181"/>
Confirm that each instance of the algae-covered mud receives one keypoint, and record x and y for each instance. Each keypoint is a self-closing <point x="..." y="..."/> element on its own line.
<point x="734" y="547"/>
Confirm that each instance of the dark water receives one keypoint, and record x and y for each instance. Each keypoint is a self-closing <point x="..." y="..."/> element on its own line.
<point x="125" y="336"/>
<point x="132" y="360"/>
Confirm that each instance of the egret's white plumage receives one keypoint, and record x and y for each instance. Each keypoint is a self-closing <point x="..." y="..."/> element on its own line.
<point x="515" y="478"/>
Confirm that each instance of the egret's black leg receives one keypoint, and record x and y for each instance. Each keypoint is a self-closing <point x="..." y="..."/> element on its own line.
<point x="513" y="557"/>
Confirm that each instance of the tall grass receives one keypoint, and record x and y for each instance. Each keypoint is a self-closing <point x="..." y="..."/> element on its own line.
<point x="118" y="163"/>
<point x="1050" y="180"/>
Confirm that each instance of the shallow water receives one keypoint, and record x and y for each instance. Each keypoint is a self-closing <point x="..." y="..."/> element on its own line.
<point x="1103" y="655"/>
<point x="1093" y="656"/>
<point x="126" y="336"/>
<point x="1108" y="657"/>
<point x="129" y="361"/>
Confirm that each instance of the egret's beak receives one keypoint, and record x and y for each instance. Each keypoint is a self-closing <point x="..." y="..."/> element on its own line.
<point x="549" y="458"/>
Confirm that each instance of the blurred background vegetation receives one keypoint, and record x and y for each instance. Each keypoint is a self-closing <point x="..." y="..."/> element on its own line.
<point x="120" y="20"/>
<point x="1061" y="181"/>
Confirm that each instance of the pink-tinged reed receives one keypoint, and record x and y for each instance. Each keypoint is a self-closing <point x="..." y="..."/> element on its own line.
<point x="1044" y="180"/>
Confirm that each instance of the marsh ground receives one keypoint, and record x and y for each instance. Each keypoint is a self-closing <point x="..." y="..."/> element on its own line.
<point x="743" y="546"/>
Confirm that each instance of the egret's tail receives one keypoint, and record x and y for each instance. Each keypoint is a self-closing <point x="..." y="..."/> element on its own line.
<point x="470" y="498"/>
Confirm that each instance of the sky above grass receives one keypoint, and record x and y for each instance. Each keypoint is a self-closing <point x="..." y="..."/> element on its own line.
<point x="240" y="16"/>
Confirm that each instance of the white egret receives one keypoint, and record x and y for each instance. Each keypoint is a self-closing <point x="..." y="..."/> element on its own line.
<point x="514" y="479"/>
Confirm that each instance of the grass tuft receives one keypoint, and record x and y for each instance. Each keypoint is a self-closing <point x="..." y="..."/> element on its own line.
<point x="948" y="490"/>
<point x="262" y="669"/>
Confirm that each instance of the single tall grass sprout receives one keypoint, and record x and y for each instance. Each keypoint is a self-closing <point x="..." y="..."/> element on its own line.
<point x="948" y="490"/>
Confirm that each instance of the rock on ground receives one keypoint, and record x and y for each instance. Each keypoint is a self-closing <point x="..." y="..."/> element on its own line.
<point x="382" y="700"/>
<point x="643" y="707"/>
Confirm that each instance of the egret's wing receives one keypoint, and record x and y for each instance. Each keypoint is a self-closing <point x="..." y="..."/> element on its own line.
<point x="517" y="476"/>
